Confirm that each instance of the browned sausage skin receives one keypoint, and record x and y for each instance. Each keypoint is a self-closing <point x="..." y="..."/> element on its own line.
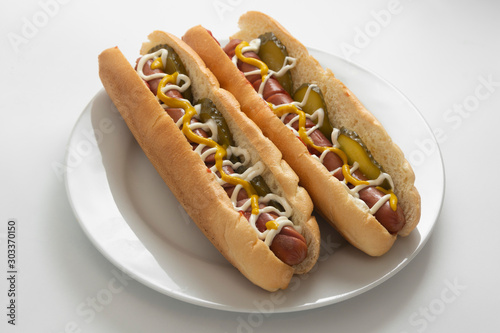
<point x="152" y="84"/>
<point x="274" y="93"/>
<point x="288" y="245"/>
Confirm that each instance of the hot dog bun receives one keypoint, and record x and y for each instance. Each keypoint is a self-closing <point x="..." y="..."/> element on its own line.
<point x="348" y="215"/>
<point x="186" y="174"/>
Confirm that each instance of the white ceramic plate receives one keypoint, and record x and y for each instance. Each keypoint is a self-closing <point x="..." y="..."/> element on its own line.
<point x="134" y="220"/>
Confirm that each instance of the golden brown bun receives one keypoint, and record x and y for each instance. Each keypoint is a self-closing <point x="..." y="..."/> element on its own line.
<point x="348" y="215"/>
<point x="186" y="175"/>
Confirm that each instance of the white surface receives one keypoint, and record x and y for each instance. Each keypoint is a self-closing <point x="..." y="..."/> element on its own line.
<point x="135" y="221"/>
<point x="440" y="55"/>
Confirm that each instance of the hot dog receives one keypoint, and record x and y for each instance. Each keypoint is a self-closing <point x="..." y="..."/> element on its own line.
<point x="229" y="178"/>
<point x="357" y="176"/>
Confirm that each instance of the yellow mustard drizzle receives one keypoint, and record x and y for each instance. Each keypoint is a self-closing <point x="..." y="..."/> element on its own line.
<point x="393" y="201"/>
<point x="157" y="64"/>
<point x="252" y="61"/>
<point x="221" y="151"/>
<point x="272" y="225"/>
<point x="281" y="110"/>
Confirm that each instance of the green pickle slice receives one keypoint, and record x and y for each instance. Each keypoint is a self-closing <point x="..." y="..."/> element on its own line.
<point x="357" y="151"/>
<point x="209" y="111"/>
<point x="314" y="102"/>
<point x="174" y="64"/>
<point x="272" y="52"/>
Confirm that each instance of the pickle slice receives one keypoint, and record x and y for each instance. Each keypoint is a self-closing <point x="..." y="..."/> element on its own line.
<point x="313" y="103"/>
<point x="174" y="64"/>
<point x="261" y="187"/>
<point x="209" y="111"/>
<point x="357" y="151"/>
<point x="272" y="52"/>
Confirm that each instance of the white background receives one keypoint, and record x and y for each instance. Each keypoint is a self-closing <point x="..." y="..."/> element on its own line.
<point x="439" y="54"/>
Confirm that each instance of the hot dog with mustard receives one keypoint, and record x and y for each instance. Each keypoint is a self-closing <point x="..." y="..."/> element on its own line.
<point x="356" y="175"/>
<point x="230" y="179"/>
